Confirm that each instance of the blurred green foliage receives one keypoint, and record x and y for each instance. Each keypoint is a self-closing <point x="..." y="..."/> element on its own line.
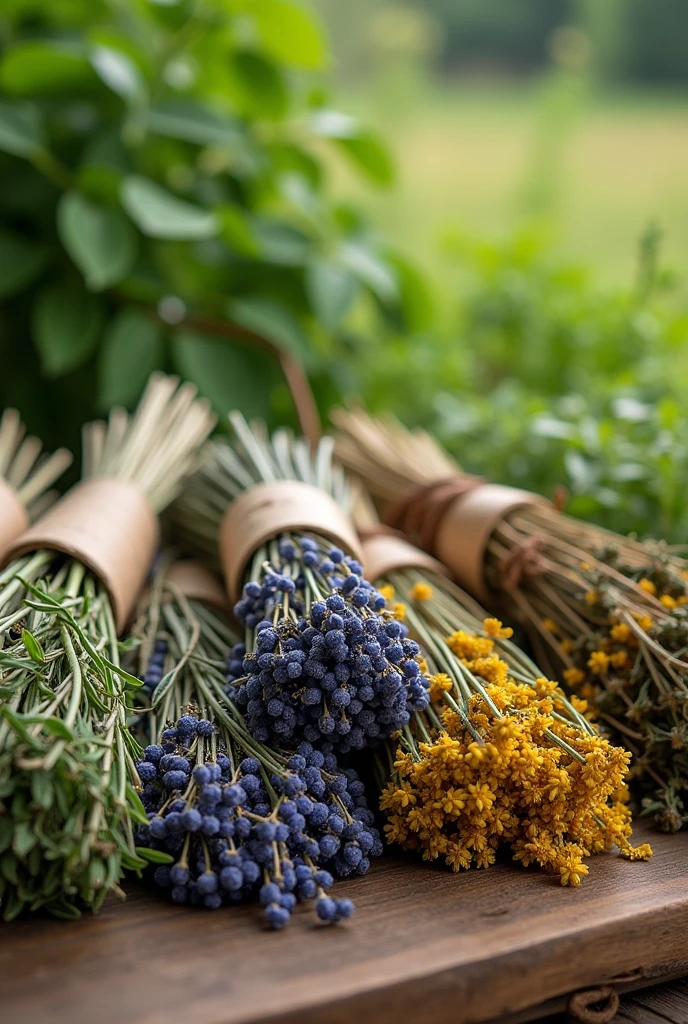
<point x="568" y="384"/>
<point x="630" y="41"/>
<point x="165" y="165"/>
<point x="161" y="159"/>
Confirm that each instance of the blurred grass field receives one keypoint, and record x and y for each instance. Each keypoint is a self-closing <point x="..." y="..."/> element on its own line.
<point x="482" y="160"/>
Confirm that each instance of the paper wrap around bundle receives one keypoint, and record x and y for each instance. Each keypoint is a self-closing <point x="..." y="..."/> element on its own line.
<point x="463" y="533"/>
<point x="282" y="506"/>
<point x="13" y="517"/>
<point x="386" y="551"/>
<point x="197" y="583"/>
<point x="108" y="526"/>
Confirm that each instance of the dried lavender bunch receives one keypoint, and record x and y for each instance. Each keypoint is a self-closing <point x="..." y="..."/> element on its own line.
<point x="322" y="661"/>
<point x="241" y="821"/>
<point x="68" y="782"/>
<point x="607" y="614"/>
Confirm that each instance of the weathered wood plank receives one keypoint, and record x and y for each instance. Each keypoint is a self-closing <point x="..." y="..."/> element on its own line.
<point x="424" y="945"/>
<point x="667" y="1004"/>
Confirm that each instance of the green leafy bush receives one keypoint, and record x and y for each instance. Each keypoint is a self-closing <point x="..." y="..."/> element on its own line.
<point x="569" y="384"/>
<point x="164" y="186"/>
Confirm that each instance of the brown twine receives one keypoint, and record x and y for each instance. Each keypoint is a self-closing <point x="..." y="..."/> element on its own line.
<point x="419" y="515"/>
<point x="524" y="559"/>
<point x="561" y="497"/>
<point x="594" y="1005"/>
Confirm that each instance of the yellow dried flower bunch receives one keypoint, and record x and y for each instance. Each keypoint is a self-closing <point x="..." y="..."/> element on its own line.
<point x="501" y="758"/>
<point x="630" y="664"/>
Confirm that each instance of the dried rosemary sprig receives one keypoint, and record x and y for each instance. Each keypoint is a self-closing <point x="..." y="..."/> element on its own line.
<point x="500" y="758"/>
<point x="242" y="821"/>
<point x="608" y="614"/>
<point x="68" y="780"/>
<point x="26" y="468"/>
<point x="324" y="664"/>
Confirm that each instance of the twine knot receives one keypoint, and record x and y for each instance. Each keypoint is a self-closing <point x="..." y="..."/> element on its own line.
<point x="419" y="514"/>
<point x="594" y="1005"/>
<point x="524" y="559"/>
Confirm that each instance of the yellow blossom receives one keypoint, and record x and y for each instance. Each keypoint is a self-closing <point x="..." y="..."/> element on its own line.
<point x="574" y="676"/>
<point x="668" y="601"/>
<point x="399" y="610"/>
<point x="592" y="597"/>
<point x="644" y="621"/>
<point x="494" y="628"/>
<point x="439" y="684"/>
<point x="620" y="633"/>
<point x="467" y="645"/>
<point x="648" y="586"/>
<point x="642" y="852"/>
<point x="598" y="662"/>
<point x="387" y="591"/>
<point x="550" y="625"/>
<point x="421" y="592"/>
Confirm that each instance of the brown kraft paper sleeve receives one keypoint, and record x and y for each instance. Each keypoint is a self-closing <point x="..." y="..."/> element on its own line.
<point x="268" y="509"/>
<point x="197" y="583"/>
<point x="466" y="527"/>
<point x="385" y="552"/>
<point x="108" y="526"/>
<point x="13" y="518"/>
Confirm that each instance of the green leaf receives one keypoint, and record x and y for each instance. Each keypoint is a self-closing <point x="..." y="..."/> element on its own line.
<point x="99" y="239"/>
<point x="42" y="67"/>
<point x="414" y="295"/>
<point x="160" y="214"/>
<point x="103" y="165"/>
<point x="258" y="85"/>
<point x="132" y="863"/>
<point x="236" y="230"/>
<point x="117" y="71"/>
<point x="20" y="262"/>
<point x="66" y="328"/>
<point x="21" y="129"/>
<point x="290" y="34"/>
<point x="229" y="375"/>
<point x="363" y="147"/>
<point x="272" y="321"/>
<point x="42" y="789"/>
<point x="8" y="868"/>
<point x="137" y="811"/>
<point x="23" y="840"/>
<point x="33" y="648"/>
<point x="131" y="349"/>
<point x="331" y="291"/>
<point x="281" y="243"/>
<point x="370" y="155"/>
<point x="154" y="856"/>
<point x="64" y="910"/>
<point x="12" y="907"/>
<point x="56" y="727"/>
<point x="193" y="122"/>
<point x="370" y="270"/>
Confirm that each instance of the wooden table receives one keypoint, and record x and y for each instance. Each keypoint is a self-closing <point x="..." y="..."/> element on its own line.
<point x="425" y="945"/>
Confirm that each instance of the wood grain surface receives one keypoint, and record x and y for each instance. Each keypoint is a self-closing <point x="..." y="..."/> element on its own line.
<point x="667" y="1004"/>
<point x="424" y="945"/>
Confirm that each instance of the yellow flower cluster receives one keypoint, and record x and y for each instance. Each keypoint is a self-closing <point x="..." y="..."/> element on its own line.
<point x="421" y="592"/>
<point x="462" y="800"/>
